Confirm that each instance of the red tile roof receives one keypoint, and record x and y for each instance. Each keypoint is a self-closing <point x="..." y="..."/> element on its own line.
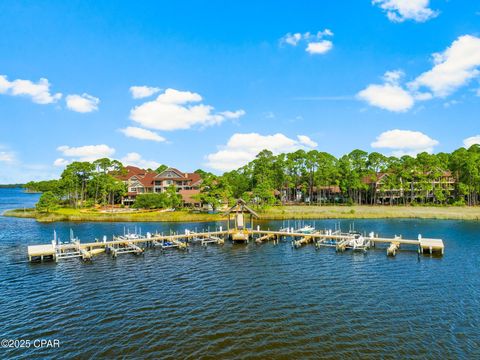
<point x="180" y="174"/>
<point x="131" y="171"/>
<point x="134" y="169"/>
<point x="170" y="178"/>
<point x="188" y="196"/>
<point x="194" y="177"/>
<point x="175" y="170"/>
<point x="330" y="188"/>
<point x="147" y="179"/>
<point x="372" y="179"/>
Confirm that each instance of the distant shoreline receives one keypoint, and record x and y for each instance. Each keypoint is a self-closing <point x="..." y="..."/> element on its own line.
<point x="295" y="212"/>
<point x="12" y="186"/>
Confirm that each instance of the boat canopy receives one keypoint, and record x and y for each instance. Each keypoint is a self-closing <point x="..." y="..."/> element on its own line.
<point x="241" y="207"/>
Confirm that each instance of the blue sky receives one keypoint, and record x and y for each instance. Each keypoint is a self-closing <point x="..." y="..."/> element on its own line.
<point x="226" y="79"/>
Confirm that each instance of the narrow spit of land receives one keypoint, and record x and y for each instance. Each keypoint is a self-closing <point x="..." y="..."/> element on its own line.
<point x="273" y="213"/>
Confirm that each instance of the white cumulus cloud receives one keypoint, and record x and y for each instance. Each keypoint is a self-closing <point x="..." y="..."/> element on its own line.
<point x="471" y="141"/>
<point x="61" y="162"/>
<point x="94" y="152"/>
<point x="135" y="159"/>
<point x="393" y="76"/>
<point x="142" y="134"/>
<point x="320" y="47"/>
<point x="242" y="148"/>
<point x="174" y="110"/>
<point x="404" y="142"/>
<point x="292" y="39"/>
<point x="305" y="140"/>
<point x="84" y="103"/>
<point x="87" y="152"/>
<point x="233" y="114"/>
<point x="39" y="92"/>
<point x="315" y="43"/>
<point x="453" y="68"/>
<point x="387" y="96"/>
<point x="401" y="10"/>
<point x="390" y="95"/>
<point x="140" y="92"/>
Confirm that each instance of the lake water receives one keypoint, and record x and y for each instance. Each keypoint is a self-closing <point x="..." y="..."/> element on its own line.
<point x="242" y="302"/>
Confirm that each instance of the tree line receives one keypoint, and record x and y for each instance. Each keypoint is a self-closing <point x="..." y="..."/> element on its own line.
<point x="313" y="177"/>
<point x="300" y="176"/>
<point x="87" y="184"/>
<point x="11" y="186"/>
<point x="82" y="184"/>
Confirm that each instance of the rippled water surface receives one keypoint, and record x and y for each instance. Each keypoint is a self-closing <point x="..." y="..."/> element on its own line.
<point x="242" y="301"/>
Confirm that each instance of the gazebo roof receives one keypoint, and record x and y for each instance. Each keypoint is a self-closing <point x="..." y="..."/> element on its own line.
<point x="241" y="206"/>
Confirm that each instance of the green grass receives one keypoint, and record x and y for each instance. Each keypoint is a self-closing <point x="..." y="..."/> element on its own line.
<point x="374" y="212"/>
<point x="68" y="214"/>
<point x="273" y="213"/>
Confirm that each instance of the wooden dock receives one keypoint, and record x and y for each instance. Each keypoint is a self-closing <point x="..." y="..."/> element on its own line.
<point x="41" y="252"/>
<point x="432" y="245"/>
<point x="136" y="244"/>
<point x="265" y="238"/>
<point x="304" y="240"/>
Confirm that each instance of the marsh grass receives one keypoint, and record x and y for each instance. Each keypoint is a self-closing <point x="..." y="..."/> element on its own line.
<point x="272" y="213"/>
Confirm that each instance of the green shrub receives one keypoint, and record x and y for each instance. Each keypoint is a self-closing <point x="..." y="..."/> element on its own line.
<point x="152" y="201"/>
<point x="47" y="202"/>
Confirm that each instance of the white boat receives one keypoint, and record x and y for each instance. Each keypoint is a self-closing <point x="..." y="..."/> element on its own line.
<point x="306" y="230"/>
<point x="359" y="242"/>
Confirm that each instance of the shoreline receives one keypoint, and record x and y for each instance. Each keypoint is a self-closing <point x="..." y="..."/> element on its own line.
<point x="295" y="212"/>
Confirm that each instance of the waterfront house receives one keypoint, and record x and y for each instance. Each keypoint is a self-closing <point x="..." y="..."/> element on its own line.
<point x="140" y="181"/>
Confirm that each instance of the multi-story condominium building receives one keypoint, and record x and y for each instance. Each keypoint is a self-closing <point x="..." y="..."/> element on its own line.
<point x="380" y="188"/>
<point x="415" y="188"/>
<point x="315" y="195"/>
<point x="140" y="181"/>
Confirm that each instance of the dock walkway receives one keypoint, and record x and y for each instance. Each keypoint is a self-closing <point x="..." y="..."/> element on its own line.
<point x="136" y="244"/>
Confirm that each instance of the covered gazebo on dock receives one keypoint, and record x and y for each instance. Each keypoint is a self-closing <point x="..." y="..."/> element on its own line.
<point x="240" y="229"/>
